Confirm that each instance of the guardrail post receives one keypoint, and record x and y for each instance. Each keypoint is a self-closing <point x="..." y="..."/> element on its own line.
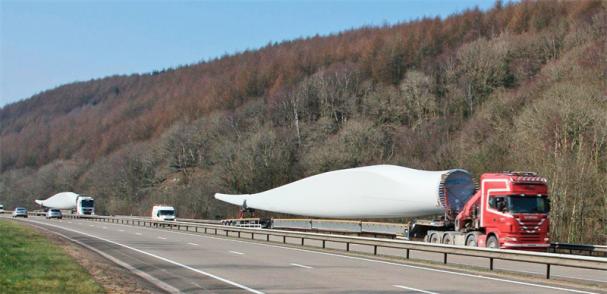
<point x="205" y="230"/>
<point x="215" y="231"/>
<point x="302" y="241"/>
<point x="323" y="243"/>
<point x="445" y="258"/>
<point x="227" y="232"/>
<point x="490" y="264"/>
<point x="268" y="237"/>
<point x="547" y="271"/>
<point x="374" y="249"/>
<point x="284" y="239"/>
<point x="347" y="246"/>
<point x="196" y="229"/>
<point x="407" y="255"/>
<point x="238" y="234"/>
<point x="252" y="236"/>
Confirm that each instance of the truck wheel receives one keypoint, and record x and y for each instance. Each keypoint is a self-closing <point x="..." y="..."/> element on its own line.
<point x="471" y="241"/>
<point x="434" y="238"/>
<point x="447" y="239"/>
<point x="493" y="243"/>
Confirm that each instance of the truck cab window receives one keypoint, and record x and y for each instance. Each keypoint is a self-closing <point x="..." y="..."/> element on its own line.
<point x="497" y="203"/>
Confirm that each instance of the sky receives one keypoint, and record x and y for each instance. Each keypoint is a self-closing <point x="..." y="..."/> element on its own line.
<point x="45" y="44"/>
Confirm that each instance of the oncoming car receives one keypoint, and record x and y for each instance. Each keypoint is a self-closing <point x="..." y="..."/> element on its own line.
<point x="20" y="212"/>
<point x="54" y="213"/>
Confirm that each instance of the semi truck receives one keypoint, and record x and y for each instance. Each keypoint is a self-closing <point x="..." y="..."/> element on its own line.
<point x="504" y="210"/>
<point x="79" y="204"/>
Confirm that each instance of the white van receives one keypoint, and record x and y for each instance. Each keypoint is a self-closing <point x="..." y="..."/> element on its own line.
<point x="163" y="213"/>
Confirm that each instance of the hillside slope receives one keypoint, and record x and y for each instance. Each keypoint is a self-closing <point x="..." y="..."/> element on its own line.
<point x="522" y="86"/>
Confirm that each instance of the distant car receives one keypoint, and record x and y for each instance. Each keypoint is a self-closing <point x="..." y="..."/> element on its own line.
<point x="54" y="213"/>
<point x="1" y="208"/>
<point x="20" y="212"/>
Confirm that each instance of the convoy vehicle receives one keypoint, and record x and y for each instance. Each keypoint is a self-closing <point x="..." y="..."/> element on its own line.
<point x="163" y="213"/>
<point x="20" y="212"/>
<point x="80" y="204"/>
<point x="54" y="213"/>
<point x="508" y="210"/>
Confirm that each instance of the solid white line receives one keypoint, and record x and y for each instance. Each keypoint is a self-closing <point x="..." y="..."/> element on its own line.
<point x="166" y="260"/>
<point x="163" y="238"/>
<point x="120" y="230"/>
<point x="236" y="252"/>
<point x="388" y="263"/>
<point x="300" y="265"/>
<point x="138" y="234"/>
<point x="194" y="244"/>
<point x="158" y="283"/>
<point x="91" y="225"/>
<point x="413" y="289"/>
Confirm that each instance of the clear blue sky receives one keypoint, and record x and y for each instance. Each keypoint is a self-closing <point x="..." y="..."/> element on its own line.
<point x="45" y="44"/>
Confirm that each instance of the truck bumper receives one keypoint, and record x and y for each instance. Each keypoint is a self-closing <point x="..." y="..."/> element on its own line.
<point x="527" y="246"/>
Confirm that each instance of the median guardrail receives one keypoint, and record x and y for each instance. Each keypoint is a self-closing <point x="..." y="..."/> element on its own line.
<point x="547" y="259"/>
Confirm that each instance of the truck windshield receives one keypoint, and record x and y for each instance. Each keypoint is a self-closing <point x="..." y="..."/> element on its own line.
<point x="528" y="204"/>
<point x="166" y="212"/>
<point x="88" y="203"/>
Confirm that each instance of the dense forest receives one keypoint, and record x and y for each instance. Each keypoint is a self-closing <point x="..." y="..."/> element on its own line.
<point x="518" y="87"/>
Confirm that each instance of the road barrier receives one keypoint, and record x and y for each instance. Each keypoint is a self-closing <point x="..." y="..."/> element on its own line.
<point x="547" y="259"/>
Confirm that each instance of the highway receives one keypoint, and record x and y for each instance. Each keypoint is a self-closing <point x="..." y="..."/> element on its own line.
<point x="193" y="263"/>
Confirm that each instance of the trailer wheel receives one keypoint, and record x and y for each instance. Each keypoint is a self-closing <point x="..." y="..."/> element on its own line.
<point x="492" y="242"/>
<point x="471" y="241"/>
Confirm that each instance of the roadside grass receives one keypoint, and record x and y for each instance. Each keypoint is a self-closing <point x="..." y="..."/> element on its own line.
<point x="30" y="263"/>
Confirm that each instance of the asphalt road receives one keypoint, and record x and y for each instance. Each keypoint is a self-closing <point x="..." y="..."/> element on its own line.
<point x="193" y="263"/>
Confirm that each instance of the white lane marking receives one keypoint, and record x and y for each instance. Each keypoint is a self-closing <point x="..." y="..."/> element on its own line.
<point x="236" y="252"/>
<point x="69" y="222"/>
<point x="91" y="225"/>
<point x="193" y="244"/>
<point x="120" y="230"/>
<point x="160" y="284"/>
<point x="105" y="228"/>
<point x="138" y="234"/>
<point x="166" y="260"/>
<point x="394" y="264"/>
<point x="413" y="289"/>
<point x="163" y="238"/>
<point x="300" y="265"/>
<point x="388" y="263"/>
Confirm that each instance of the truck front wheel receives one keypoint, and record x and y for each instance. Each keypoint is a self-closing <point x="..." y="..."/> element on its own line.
<point x="471" y="241"/>
<point x="492" y="242"/>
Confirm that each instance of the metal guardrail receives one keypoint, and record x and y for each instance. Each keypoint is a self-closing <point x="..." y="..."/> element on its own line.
<point x="599" y="250"/>
<point x="548" y="259"/>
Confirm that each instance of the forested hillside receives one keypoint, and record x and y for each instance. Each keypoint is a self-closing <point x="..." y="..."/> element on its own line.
<point x="519" y="87"/>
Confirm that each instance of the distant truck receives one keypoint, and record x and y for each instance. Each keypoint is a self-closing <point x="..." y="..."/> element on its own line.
<point x="80" y="204"/>
<point x="163" y="213"/>
<point x="508" y="210"/>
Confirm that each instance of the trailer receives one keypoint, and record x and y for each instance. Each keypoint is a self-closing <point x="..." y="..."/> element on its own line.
<point x="506" y="210"/>
<point x="79" y="204"/>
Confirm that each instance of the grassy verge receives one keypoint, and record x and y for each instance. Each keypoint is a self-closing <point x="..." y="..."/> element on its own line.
<point x="30" y="263"/>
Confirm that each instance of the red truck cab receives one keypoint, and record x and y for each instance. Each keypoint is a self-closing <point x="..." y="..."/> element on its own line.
<point x="510" y="210"/>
